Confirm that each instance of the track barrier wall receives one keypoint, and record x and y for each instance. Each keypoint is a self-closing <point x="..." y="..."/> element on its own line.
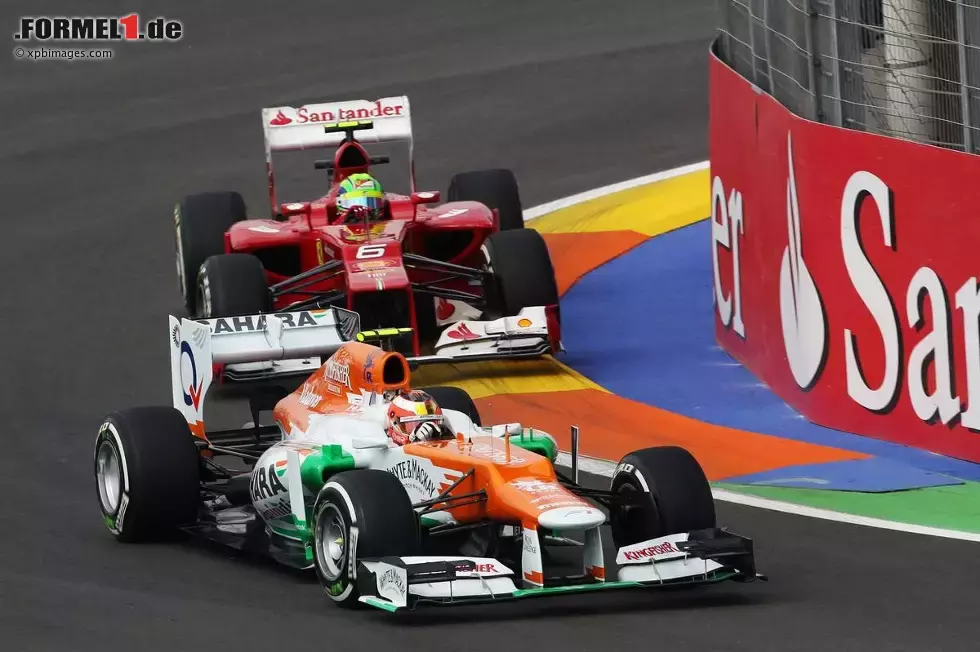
<point x="845" y="270"/>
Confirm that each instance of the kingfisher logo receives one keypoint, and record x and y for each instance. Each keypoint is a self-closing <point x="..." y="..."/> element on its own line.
<point x="801" y="309"/>
<point x="651" y="552"/>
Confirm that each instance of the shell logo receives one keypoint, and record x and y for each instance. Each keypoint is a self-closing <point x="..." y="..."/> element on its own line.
<point x="524" y="322"/>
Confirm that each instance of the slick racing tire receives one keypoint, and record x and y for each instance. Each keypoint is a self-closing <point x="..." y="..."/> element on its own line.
<point x="669" y="491"/>
<point x="494" y="189"/>
<point x="454" y="398"/>
<point x="523" y="275"/>
<point x="376" y="505"/>
<point x="147" y="473"/>
<point x="200" y="223"/>
<point x="230" y="285"/>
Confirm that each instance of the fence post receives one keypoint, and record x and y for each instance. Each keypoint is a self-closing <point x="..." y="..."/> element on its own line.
<point x="964" y="77"/>
<point x="751" y="20"/>
<point x="767" y="31"/>
<point x="831" y="20"/>
<point x="814" y="61"/>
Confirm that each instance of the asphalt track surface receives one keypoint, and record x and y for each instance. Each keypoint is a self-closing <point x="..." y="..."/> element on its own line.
<point x="572" y="95"/>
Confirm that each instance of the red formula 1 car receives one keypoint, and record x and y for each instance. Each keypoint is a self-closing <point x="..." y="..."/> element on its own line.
<point x="461" y="280"/>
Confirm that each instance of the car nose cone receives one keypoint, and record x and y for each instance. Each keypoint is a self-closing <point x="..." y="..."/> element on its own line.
<point x="569" y="518"/>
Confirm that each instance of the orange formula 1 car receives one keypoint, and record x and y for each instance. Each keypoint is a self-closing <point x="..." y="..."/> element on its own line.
<point x="396" y="496"/>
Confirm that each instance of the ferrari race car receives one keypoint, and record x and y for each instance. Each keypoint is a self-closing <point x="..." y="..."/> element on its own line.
<point x="472" y="515"/>
<point x="446" y="273"/>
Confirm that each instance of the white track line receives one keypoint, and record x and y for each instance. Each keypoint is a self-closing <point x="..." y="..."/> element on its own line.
<point x="558" y="204"/>
<point x="605" y="467"/>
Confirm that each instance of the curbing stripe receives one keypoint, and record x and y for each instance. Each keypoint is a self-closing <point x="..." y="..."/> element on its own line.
<point x="596" y="193"/>
<point x="605" y="467"/>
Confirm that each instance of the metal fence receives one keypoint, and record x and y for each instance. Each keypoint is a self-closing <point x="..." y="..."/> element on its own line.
<point x="902" y="68"/>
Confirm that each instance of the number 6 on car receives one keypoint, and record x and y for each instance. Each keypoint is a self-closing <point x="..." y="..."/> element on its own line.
<point x="370" y="251"/>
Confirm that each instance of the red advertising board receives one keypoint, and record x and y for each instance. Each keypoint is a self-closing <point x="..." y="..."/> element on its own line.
<point x="846" y="270"/>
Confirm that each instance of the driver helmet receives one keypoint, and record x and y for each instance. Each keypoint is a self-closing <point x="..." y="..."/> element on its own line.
<point x="415" y="416"/>
<point x="362" y="190"/>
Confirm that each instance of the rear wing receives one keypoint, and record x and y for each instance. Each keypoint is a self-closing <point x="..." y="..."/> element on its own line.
<point x="197" y="347"/>
<point x="288" y="128"/>
<point x="263" y="347"/>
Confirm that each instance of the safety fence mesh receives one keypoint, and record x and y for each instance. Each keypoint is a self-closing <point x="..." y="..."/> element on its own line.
<point x="902" y="68"/>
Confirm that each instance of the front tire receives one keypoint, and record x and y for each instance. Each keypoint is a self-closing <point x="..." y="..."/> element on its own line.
<point x="147" y="472"/>
<point x="377" y="505"/>
<point x="200" y="223"/>
<point x="230" y="285"/>
<point x="523" y="275"/>
<point x="670" y="495"/>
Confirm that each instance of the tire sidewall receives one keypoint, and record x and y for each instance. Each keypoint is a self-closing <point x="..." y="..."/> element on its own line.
<point x="506" y="289"/>
<point x="676" y="495"/>
<point x="342" y="589"/>
<point x="204" y="301"/>
<point x="491" y="289"/>
<point x="159" y="483"/>
<point x="182" y="271"/>
<point x="629" y="478"/>
<point x="200" y="224"/>
<point x="230" y="285"/>
<point x="115" y="520"/>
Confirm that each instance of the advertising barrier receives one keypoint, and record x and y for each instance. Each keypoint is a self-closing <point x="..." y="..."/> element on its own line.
<point x="845" y="270"/>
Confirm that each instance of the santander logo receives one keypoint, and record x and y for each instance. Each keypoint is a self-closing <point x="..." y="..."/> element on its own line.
<point x="444" y="309"/>
<point x="801" y="310"/>
<point x="280" y="120"/>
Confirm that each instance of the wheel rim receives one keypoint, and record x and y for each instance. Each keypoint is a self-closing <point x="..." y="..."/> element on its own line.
<point x="487" y="265"/>
<point x="109" y="475"/>
<point x="331" y="536"/>
<point x="634" y="523"/>
<point x="204" y="296"/>
<point x="492" y="294"/>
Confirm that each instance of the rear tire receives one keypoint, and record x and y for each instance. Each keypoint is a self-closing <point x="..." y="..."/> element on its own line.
<point x="523" y="273"/>
<point x="454" y="398"/>
<point x="200" y="223"/>
<point x="675" y="495"/>
<point x="147" y="472"/>
<point x="230" y="285"/>
<point x="377" y="503"/>
<point x="493" y="188"/>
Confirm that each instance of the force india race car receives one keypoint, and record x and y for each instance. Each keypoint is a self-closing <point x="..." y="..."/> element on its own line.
<point x="468" y="517"/>
<point x="445" y="273"/>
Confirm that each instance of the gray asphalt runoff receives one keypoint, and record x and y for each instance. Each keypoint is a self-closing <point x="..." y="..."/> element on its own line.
<point x="570" y="94"/>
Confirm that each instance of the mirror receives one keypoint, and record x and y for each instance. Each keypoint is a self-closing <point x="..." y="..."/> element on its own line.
<point x="425" y="197"/>
<point x="296" y="208"/>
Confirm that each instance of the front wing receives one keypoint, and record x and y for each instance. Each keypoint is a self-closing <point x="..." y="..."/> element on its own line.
<point x="695" y="558"/>
<point x="531" y="333"/>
